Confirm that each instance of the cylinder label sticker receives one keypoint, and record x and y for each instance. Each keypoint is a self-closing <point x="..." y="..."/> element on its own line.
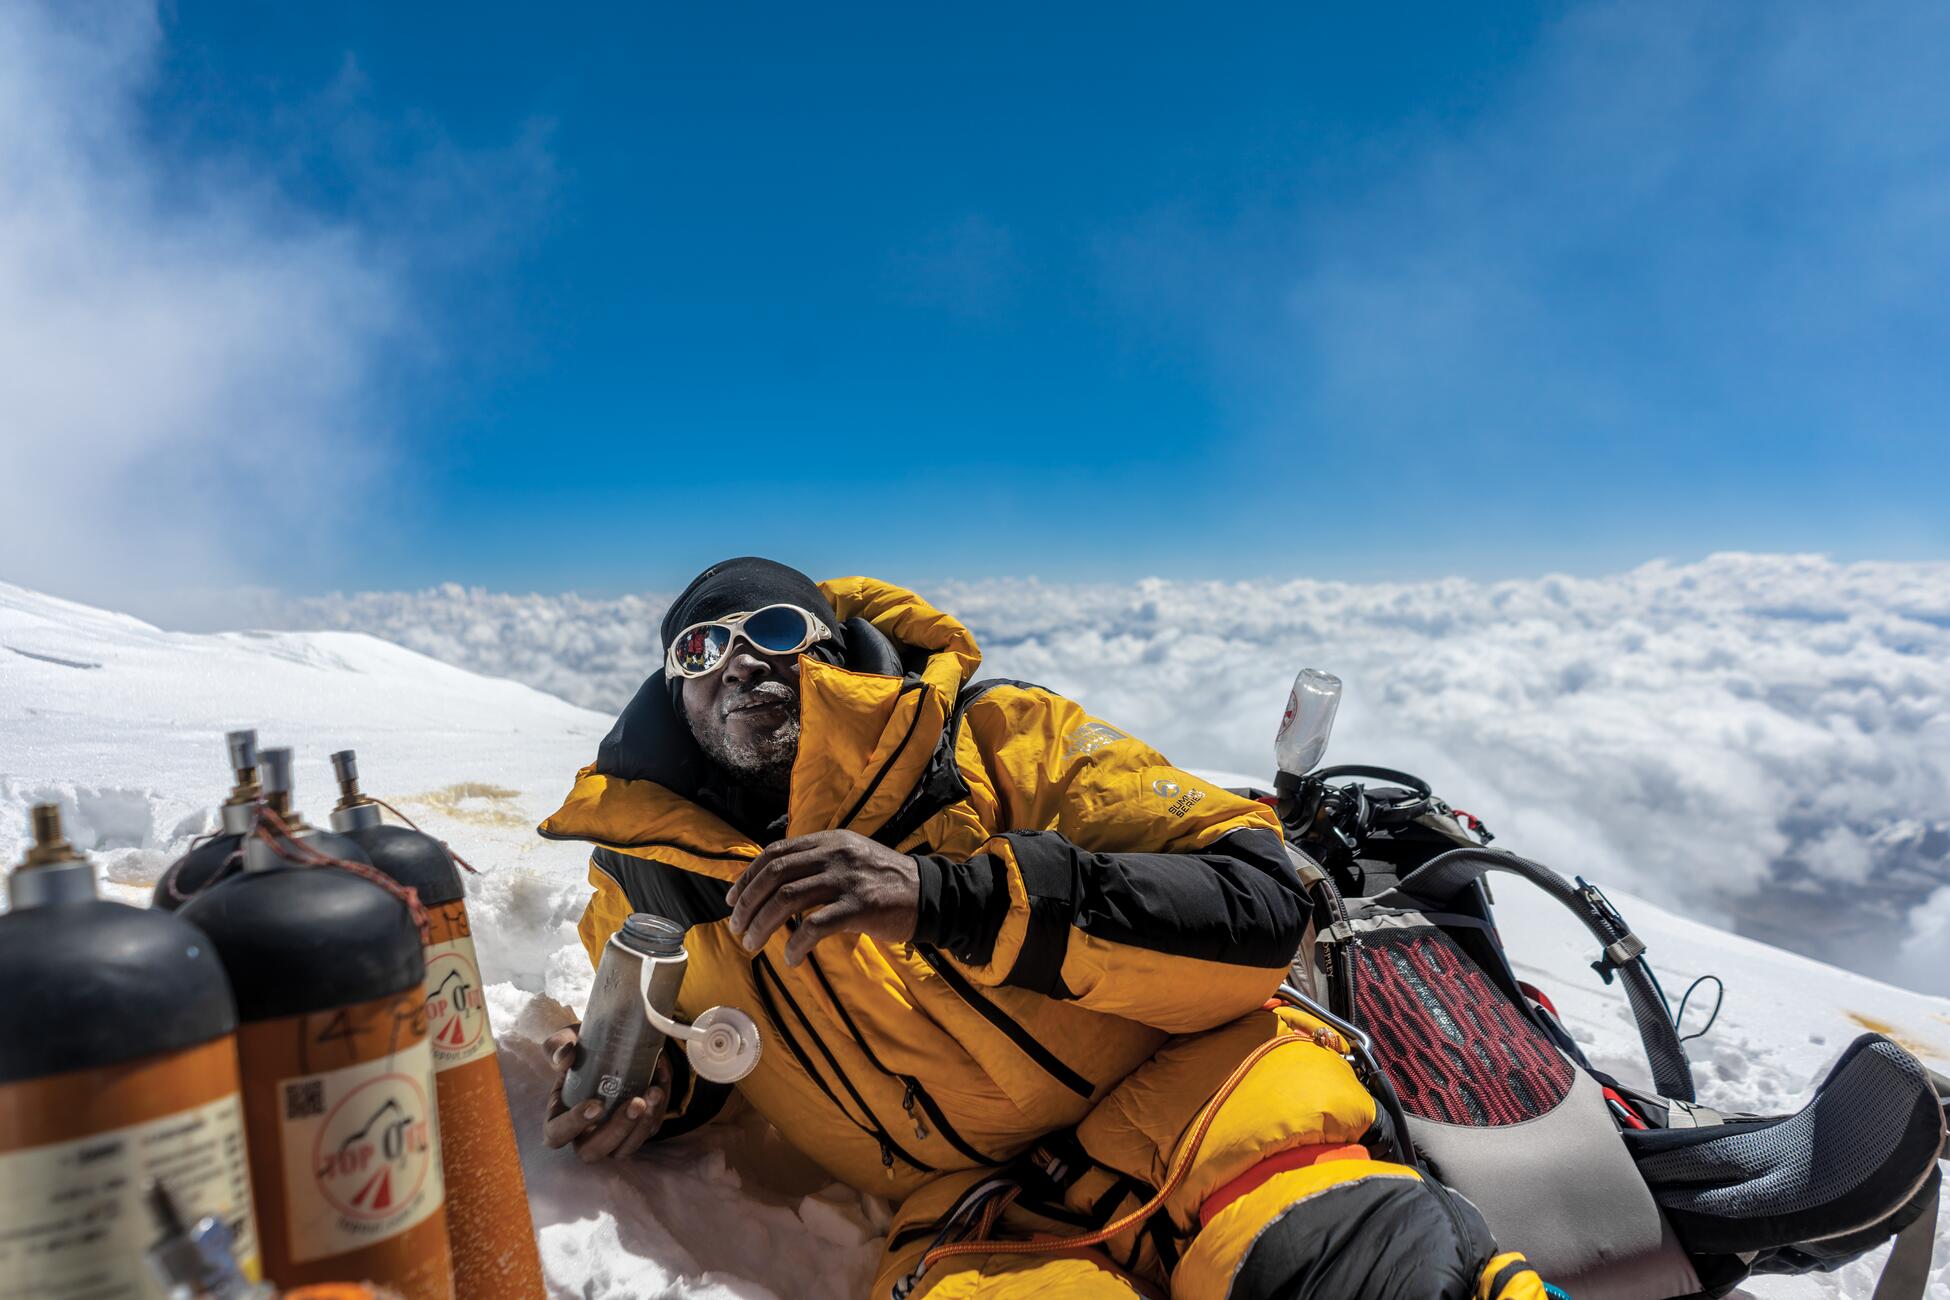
<point x="457" y="1022"/>
<point x="361" y="1155"/>
<point x="73" y="1224"/>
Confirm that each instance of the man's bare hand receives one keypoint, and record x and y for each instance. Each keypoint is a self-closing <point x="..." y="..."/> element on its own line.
<point x="835" y="882"/>
<point x="634" y="1121"/>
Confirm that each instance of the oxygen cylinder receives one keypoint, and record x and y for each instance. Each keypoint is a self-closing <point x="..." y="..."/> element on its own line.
<point x="197" y="868"/>
<point x="118" y="1064"/>
<point x="337" y="1069"/>
<point x="488" y="1219"/>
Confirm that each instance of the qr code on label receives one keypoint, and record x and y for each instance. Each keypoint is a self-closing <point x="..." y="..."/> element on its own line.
<point x="304" y="1099"/>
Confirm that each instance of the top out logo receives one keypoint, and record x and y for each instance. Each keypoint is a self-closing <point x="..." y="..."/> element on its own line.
<point x="373" y="1152"/>
<point x="1292" y="707"/>
<point x="455" y="1017"/>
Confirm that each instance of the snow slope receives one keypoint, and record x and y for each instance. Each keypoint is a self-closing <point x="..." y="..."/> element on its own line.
<point x="123" y="724"/>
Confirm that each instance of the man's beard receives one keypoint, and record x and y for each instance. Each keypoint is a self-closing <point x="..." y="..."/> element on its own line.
<point x="763" y="761"/>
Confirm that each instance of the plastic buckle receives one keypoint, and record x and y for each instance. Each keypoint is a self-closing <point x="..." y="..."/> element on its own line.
<point x="1595" y="898"/>
<point x="1627" y="947"/>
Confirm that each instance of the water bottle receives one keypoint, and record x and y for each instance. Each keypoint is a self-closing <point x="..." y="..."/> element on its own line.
<point x="631" y="1013"/>
<point x="1309" y="720"/>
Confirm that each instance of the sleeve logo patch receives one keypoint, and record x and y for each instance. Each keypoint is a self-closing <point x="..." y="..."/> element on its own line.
<point x="1178" y="800"/>
<point x="1089" y="738"/>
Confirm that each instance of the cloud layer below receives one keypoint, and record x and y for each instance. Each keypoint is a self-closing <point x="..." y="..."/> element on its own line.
<point x="1762" y="739"/>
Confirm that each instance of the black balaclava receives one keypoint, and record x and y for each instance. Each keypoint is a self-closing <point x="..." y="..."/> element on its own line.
<point x="731" y="587"/>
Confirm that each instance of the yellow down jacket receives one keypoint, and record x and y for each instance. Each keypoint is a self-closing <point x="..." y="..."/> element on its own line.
<point x="1100" y="933"/>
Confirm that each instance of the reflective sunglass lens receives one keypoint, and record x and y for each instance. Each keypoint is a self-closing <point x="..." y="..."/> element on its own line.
<point x="699" y="649"/>
<point x="778" y="629"/>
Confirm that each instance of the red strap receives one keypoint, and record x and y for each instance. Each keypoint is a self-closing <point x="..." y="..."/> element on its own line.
<point x="1536" y="995"/>
<point x="1294" y="1158"/>
<point x="1623" y="1109"/>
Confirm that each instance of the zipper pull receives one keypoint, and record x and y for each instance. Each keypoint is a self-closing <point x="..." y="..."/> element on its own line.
<point x="887" y="1157"/>
<point x="907" y="1104"/>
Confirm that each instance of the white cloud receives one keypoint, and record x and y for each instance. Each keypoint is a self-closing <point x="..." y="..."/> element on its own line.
<point x="186" y="355"/>
<point x="1762" y="739"/>
<point x="590" y="652"/>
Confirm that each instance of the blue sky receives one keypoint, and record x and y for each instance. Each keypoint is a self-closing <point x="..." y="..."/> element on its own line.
<point x="1079" y="291"/>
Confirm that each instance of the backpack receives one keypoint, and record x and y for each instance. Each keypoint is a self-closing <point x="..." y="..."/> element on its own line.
<point x="1614" y="1193"/>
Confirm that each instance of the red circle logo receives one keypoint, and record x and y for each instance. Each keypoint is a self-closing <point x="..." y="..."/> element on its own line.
<point x="456" y="1019"/>
<point x="371" y="1157"/>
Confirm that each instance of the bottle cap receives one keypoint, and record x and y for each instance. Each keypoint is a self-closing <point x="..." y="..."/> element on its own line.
<point x="723" y="1045"/>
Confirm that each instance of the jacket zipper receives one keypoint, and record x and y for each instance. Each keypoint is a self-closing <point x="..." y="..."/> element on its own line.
<point x="1010" y="1027"/>
<point x="889" y="1148"/>
<point x="930" y="1110"/>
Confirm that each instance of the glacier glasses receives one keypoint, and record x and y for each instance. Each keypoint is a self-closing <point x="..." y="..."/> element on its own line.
<point x="702" y="648"/>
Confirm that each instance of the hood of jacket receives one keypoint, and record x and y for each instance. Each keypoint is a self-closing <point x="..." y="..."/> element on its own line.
<point x="866" y="739"/>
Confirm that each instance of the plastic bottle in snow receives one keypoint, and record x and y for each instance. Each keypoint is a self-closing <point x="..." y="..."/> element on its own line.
<point x="1309" y="720"/>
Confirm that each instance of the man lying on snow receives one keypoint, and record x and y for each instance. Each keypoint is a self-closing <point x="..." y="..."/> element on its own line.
<point x="982" y="929"/>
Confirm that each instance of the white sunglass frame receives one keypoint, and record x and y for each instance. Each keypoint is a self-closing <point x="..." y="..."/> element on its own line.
<point x="735" y="624"/>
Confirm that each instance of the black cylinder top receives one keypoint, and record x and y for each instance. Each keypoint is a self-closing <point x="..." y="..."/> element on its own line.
<point x="96" y="983"/>
<point x="193" y="871"/>
<point x="412" y="858"/>
<point x="297" y="939"/>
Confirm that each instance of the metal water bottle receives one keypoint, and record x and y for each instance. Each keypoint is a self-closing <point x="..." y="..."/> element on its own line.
<point x="619" y="1044"/>
<point x="631" y="1012"/>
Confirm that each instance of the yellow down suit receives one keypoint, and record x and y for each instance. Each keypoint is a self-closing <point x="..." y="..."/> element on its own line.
<point x="1099" y="935"/>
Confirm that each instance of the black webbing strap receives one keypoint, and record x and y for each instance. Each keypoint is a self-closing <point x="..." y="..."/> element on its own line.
<point x="1906" y="1273"/>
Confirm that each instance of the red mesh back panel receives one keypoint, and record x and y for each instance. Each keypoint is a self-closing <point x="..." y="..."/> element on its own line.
<point x="1458" y="1051"/>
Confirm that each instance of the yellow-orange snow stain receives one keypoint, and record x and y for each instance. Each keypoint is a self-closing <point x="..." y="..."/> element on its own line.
<point x="1908" y="1042"/>
<point x="475" y="802"/>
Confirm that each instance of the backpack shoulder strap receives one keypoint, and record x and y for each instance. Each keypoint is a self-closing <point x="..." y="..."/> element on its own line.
<point x="1907" y="1271"/>
<point x="1437" y="881"/>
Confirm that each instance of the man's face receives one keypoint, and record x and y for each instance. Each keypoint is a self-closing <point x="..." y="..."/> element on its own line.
<point x="746" y="715"/>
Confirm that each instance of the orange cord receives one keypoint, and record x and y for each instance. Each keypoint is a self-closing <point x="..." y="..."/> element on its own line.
<point x="1051" y="1245"/>
<point x="469" y="867"/>
<point x="292" y="850"/>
